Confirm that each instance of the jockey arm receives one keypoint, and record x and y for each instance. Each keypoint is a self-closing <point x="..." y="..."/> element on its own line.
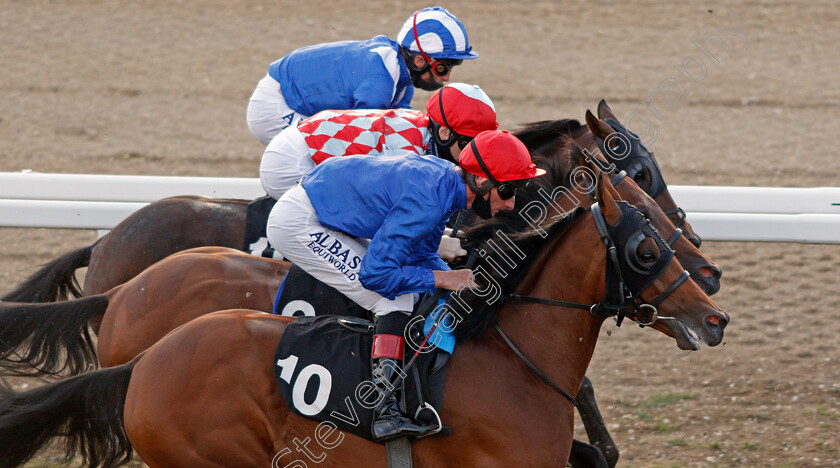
<point x="427" y="253"/>
<point x="380" y="89"/>
<point x="402" y="255"/>
<point x="375" y="92"/>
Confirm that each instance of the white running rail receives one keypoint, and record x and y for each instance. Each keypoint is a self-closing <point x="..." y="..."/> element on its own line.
<point x="80" y="201"/>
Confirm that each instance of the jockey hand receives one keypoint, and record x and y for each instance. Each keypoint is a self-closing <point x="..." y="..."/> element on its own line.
<point x="453" y="279"/>
<point x="450" y="247"/>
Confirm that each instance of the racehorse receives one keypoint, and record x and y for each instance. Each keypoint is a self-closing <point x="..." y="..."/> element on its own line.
<point x="131" y="317"/>
<point x="179" y="223"/>
<point x="138" y="313"/>
<point x="205" y="394"/>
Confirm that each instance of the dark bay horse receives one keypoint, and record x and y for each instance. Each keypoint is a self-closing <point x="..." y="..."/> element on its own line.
<point x="179" y="223"/>
<point x="138" y="313"/>
<point x="131" y="317"/>
<point x="205" y="394"/>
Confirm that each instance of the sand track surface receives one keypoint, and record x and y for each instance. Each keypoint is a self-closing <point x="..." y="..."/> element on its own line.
<point x="160" y="88"/>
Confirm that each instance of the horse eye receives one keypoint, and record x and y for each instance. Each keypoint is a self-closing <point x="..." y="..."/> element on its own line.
<point x="647" y="256"/>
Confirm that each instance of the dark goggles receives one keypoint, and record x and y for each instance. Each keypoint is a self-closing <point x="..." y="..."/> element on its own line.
<point x="507" y="190"/>
<point x="442" y="67"/>
<point x="463" y="141"/>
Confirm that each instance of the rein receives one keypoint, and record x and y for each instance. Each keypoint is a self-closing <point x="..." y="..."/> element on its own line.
<point x="645" y="311"/>
<point x="534" y="368"/>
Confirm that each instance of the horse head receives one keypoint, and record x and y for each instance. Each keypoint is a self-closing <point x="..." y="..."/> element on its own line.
<point x="567" y="185"/>
<point x="626" y="151"/>
<point x="703" y="270"/>
<point x="644" y="280"/>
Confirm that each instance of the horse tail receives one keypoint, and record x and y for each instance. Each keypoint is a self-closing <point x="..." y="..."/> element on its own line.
<point x="86" y="411"/>
<point x="55" y="281"/>
<point x="48" y="339"/>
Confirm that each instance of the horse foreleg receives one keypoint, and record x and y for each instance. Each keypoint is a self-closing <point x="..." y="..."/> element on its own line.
<point x="596" y="430"/>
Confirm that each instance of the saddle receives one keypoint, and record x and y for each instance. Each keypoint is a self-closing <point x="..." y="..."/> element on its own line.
<point x="323" y="361"/>
<point x="322" y="367"/>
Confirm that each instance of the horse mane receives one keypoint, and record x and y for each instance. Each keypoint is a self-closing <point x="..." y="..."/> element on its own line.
<point x="537" y="135"/>
<point x="484" y="236"/>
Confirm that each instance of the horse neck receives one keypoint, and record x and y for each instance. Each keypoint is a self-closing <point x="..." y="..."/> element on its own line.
<point x="571" y="270"/>
<point x="491" y="393"/>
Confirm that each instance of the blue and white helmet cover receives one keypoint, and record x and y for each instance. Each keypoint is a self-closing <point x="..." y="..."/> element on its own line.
<point x="441" y="35"/>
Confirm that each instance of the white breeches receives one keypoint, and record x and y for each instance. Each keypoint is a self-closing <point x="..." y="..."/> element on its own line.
<point x="285" y="161"/>
<point x="268" y="112"/>
<point x="330" y="256"/>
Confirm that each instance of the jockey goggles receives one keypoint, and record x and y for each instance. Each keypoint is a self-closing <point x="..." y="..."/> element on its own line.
<point x="506" y="190"/>
<point x="440" y="67"/>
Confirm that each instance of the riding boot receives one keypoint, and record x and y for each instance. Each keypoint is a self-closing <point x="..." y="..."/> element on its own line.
<point x="388" y="421"/>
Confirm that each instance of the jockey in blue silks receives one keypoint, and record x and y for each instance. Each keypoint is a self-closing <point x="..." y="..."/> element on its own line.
<point x="375" y="74"/>
<point x="370" y="227"/>
<point x="454" y="114"/>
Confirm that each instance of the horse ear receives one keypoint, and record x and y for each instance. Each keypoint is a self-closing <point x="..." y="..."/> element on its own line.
<point x="607" y="197"/>
<point x="604" y="111"/>
<point x="590" y="153"/>
<point x="598" y="127"/>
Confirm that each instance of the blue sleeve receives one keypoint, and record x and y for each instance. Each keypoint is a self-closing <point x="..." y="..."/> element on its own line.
<point x="425" y="253"/>
<point x="405" y="102"/>
<point x="375" y="92"/>
<point x="384" y="268"/>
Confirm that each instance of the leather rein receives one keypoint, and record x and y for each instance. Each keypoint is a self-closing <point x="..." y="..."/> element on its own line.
<point x="646" y="312"/>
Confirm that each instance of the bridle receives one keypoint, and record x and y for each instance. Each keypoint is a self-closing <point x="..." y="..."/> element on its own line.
<point x="634" y="161"/>
<point x="621" y="299"/>
<point x="621" y="175"/>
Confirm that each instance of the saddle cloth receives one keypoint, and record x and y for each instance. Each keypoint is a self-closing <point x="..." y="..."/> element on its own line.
<point x="302" y="294"/>
<point x="256" y="221"/>
<point x="322" y="368"/>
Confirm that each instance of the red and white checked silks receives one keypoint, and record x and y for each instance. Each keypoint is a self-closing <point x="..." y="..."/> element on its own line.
<point x="365" y="131"/>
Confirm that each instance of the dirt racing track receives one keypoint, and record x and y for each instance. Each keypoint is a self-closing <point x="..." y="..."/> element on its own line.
<point x="160" y="88"/>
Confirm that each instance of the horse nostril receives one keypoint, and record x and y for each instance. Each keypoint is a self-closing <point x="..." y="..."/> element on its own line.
<point x="711" y="271"/>
<point x="717" y="322"/>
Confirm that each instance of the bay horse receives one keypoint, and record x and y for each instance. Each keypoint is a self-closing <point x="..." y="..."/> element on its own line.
<point x="205" y="394"/>
<point x="179" y="223"/>
<point x="135" y="315"/>
<point x="138" y="313"/>
<point x="44" y="339"/>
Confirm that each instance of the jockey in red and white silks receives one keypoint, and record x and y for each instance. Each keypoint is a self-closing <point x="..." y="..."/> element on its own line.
<point x="456" y="113"/>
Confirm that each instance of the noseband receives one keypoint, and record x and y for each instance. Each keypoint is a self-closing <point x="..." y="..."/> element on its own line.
<point x="621" y="298"/>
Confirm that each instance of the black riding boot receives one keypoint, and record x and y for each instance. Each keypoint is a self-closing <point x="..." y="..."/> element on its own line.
<point x="388" y="421"/>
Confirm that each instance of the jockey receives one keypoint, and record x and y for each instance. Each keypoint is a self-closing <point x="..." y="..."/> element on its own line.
<point x="455" y="114"/>
<point x="369" y="227"/>
<point x="373" y="74"/>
